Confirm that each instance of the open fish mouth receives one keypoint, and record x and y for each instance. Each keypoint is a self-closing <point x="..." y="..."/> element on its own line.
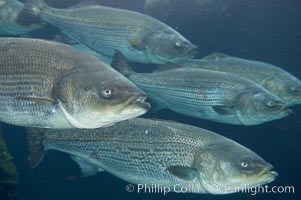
<point x="141" y="102"/>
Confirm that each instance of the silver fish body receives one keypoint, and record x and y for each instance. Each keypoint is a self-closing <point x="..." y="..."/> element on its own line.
<point x="210" y="95"/>
<point x="9" y="12"/>
<point x="103" y="29"/>
<point x="145" y="151"/>
<point x="274" y="79"/>
<point x="52" y="85"/>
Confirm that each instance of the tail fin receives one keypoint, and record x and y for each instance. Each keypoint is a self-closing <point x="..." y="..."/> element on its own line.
<point x="35" y="139"/>
<point x="120" y="64"/>
<point x="30" y="12"/>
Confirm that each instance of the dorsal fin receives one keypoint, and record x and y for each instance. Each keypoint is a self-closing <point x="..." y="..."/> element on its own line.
<point x="121" y="64"/>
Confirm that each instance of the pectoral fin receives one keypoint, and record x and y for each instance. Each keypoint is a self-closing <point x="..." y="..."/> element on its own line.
<point x="183" y="172"/>
<point x="224" y="110"/>
<point x="38" y="100"/>
<point x="86" y="168"/>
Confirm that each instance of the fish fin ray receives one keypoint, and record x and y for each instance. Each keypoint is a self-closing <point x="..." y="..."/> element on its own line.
<point x="35" y="137"/>
<point x="224" y="110"/>
<point x="183" y="172"/>
<point x="120" y="64"/>
<point x="86" y="168"/>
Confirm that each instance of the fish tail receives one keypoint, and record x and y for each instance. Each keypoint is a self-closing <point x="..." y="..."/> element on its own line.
<point x="35" y="137"/>
<point x="30" y="13"/>
<point x="120" y="64"/>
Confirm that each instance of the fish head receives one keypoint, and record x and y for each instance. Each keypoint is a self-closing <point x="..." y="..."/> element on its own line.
<point x="286" y="88"/>
<point x="291" y="92"/>
<point x="228" y="167"/>
<point x="96" y="98"/>
<point x="168" y="46"/>
<point x="257" y="105"/>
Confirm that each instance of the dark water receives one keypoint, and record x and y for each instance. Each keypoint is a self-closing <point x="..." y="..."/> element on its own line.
<point x="268" y="31"/>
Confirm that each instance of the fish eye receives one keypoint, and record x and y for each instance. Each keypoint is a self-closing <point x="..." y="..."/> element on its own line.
<point x="178" y="43"/>
<point x="293" y="88"/>
<point x="107" y="92"/>
<point x="271" y="104"/>
<point x="244" y="164"/>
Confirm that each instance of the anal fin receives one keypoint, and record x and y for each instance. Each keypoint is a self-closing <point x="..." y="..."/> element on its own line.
<point x="87" y="169"/>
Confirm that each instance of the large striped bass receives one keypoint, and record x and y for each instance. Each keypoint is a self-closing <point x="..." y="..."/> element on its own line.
<point x="207" y="94"/>
<point x="275" y="79"/>
<point x="103" y="29"/>
<point x="146" y="152"/>
<point x="52" y="85"/>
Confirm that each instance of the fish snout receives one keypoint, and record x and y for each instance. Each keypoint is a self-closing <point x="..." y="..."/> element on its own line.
<point x="192" y="50"/>
<point x="268" y="173"/>
<point x="285" y="109"/>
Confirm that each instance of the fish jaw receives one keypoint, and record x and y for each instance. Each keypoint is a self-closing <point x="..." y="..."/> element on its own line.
<point x="241" y="183"/>
<point x="92" y="119"/>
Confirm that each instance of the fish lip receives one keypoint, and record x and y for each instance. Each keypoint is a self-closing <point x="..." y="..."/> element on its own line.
<point x="192" y="50"/>
<point x="286" y="110"/>
<point x="140" y="101"/>
<point x="268" y="171"/>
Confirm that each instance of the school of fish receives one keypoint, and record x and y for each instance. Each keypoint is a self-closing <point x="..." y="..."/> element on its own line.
<point x="81" y="96"/>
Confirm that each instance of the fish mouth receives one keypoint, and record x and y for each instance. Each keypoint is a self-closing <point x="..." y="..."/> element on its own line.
<point x="286" y="111"/>
<point x="267" y="175"/>
<point x="141" y="102"/>
<point x="192" y="51"/>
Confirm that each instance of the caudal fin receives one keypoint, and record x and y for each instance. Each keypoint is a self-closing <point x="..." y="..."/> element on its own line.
<point x="120" y="64"/>
<point x="35" y="139"/>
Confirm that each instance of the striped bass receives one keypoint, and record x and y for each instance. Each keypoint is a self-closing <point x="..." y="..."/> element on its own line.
<point x="206" y="94"/>
<point x="52" y="85"/>
<point x="145" y="151"/>
<point x="275" y="79"/>
<point x="103" y="29"/>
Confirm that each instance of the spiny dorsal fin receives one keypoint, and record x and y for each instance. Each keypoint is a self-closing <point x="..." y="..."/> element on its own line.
<point x="215" y="56"/>
<point x="35" y="137"/>
<point x="120" y="64"/>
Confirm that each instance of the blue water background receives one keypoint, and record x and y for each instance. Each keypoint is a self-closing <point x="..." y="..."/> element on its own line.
<point x="268" y="31"/>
